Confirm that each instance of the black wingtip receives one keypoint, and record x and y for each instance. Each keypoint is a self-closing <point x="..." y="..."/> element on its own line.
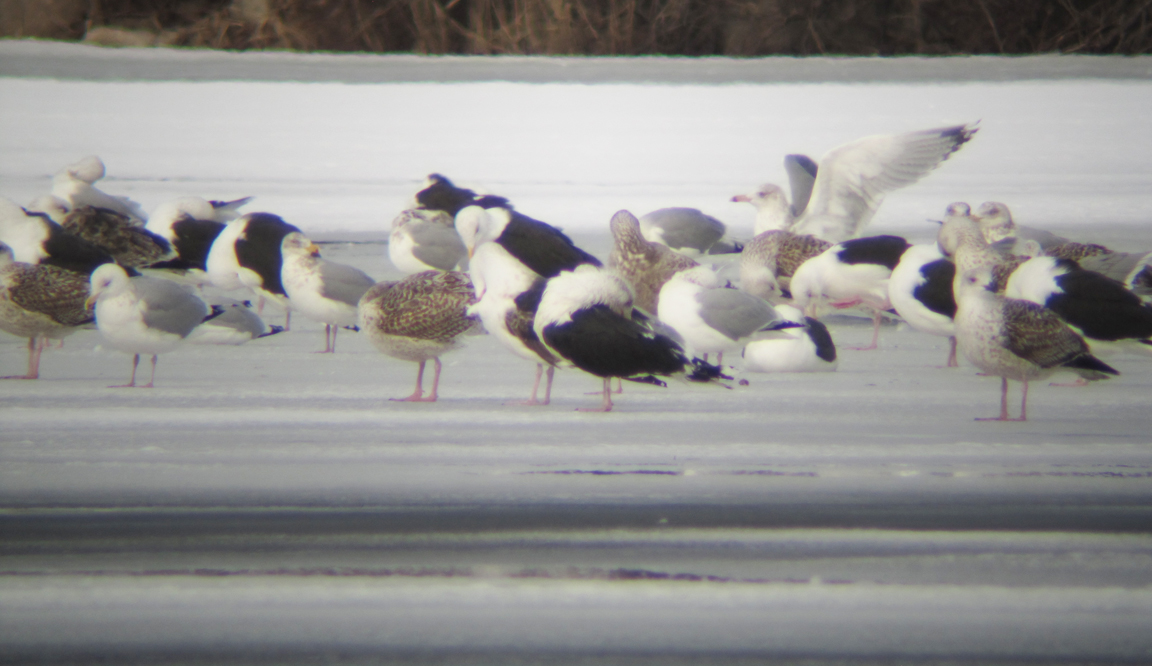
<point x="272" y="330"/>
<point x="648" y="380"/>
<point x="703" y="371"/>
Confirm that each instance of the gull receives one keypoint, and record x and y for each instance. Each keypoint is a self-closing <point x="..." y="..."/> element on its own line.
<point x="40" y="302"/>
<point x="75" y="185"/>
<point x="852" y="180"/>
<point x="191" y="225"/>
<point x="421" y="317"/>
<point x="585" y="316"/>
<point x="920" y="290"/>
<point x="712" y="318"/>
<point x="423" y="239"/>
<point x="854" y="272"/>
<point x="247" y="254"/>
<point x="645" y="264"/>
<point x="322" y="290"/>
<point x="1016" y="339"/>
<point x="688" y="231"/>
<point x="769" y="261"/>
<point x="233" y="323"/>
<point x="36" y="239"/>
<point x="805" y="347"/>
<point x="142" y="315"/>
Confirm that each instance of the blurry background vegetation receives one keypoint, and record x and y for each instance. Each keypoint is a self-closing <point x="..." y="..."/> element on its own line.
<point x="599" y="27"/>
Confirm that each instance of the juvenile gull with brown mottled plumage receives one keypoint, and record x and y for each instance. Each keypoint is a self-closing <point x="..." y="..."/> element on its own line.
<point x="421" y="317"/>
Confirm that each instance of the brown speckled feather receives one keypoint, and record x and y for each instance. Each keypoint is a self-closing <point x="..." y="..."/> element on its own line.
<point x="645" y="265"/>
<point x="129" y="244"/>
<point x="48" y="290"/>
<point x="519" y="323"/>
<point x="795" y="249"/>
<point x="426" y="306"/>
<point x="1076" y="251"/>
<point x="1003" y="270"/>
<point x="1039" y="335"/>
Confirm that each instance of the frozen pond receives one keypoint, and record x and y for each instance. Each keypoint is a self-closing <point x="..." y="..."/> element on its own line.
<point x="265" y="504"/>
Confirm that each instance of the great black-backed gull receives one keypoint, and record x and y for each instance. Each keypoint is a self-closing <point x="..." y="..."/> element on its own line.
<point x="854" y="272"/>
<point x="40" y="302"/>
<point x="645" y="264"/>
<point x="1016" y="339"/>
<point x="247" y="253"/>
<point x="713" y="318"/>
<point x="1099" y="308"/>
<point x="769" y="261"/>
<point x="142" y="315"/>
<point x="586" y="317"/>
<point x="920" y="291"/>
<point x="805" y="347"/>
<point x="688" y="231"/>
<point x="541" y="247"/>
<point x="421" y="317"/>
<point x="853" y="179"/>
<point x="322" y="290"/>
<point x="121" y="236"/>
<point x="36" y="239"/>
<point x="191" y="225"/>
<point x="508" y="294"/>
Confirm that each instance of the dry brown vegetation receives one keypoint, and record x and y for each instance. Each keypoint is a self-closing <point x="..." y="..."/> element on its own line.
<point x="608" y="27"/>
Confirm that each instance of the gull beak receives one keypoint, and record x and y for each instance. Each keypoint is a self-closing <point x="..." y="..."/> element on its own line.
<point x="313" y="250"/>
<point x="940" y="222"/>
<point x="90" y="302"/>
<point x="742" y="198"/>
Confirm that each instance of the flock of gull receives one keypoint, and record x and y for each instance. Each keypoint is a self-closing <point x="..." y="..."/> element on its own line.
<point x="1019" y="303"/>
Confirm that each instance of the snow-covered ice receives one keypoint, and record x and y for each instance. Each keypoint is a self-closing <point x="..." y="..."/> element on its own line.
<point x="265" y="500"/>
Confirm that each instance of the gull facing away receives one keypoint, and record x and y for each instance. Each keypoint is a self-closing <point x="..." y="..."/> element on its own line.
<point x="421" y="317"/>
<point x="1016" y="339"/>
<point x="423" y="240"/>
<point x="75" y="184"/>
<point x="645" y="264"/>
<point x="688" y="231"/>
<point x="247" y="254"/>
<point x="40" y="302"/>
<point x="920" y="290"/>
<point x="852" y="180"/>
<point x="142" y="315"/>
<point x="322" y="290"/>
<point x="191" y="225"/>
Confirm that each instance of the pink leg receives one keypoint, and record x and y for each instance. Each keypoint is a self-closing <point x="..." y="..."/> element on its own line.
<point x="329" y="340"/>
<point x="875" y="334"/>
<point x="952" y="353"/>
<point x="1004" y="402"/>
<point x="417" y="395"/>
<point x="619" y="386"/>
<point x="35" y="346"/>
<point x="152" y="379"/>
<point x="606" y="404"/>
<point x="288" y="319"/>
<point x="532" y="402"/>
<point x="132" y="381"/>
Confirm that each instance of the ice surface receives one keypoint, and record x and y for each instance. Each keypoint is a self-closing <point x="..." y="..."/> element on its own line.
<point x="264" y="500"/>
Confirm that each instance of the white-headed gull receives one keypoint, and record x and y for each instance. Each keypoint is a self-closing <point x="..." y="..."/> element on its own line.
<point x="920" y="290"/>
<point x="854" y="272"/>
<point x="234" y="323"/>
<point x="143" y="315"/>
<point x="805" y="347"/>
<point x="541" y="247"/>
<point x="39" y="302"/>
<point x="322" y="290"/>
<point x="423" y="240"/>
<point x="36" y="239"/>
<point x="246" y="253"/>
<point x="853" y="179"/>
<point x="711" y="317"/>
<point x="74" y="184"/>
<point x="1016" y="339"/>
<point x="419" y="318"/>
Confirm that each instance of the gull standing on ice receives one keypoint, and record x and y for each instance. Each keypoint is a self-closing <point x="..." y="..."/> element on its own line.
<point x="423" y="240"/>
<point x="1016" y="339"/>
<point x="512" y="255"/>
<point x="247" y="253"/>
<point x="142" y="315"/>
<point x="853" y="179"/>
<point x="806" y="347"/>
<point x="36" y="239"/>
<point x="191" y="225"/>
<point x="920" y="290"/>
<point x="322" y="290"/>
<point x="39" y="302"/>
<point x="586" y="317"/>
<point x="421" y="317"/>
<point x="712" y="318"/>
<point x="854" y="272"/>
<point x="645" y="264"/>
